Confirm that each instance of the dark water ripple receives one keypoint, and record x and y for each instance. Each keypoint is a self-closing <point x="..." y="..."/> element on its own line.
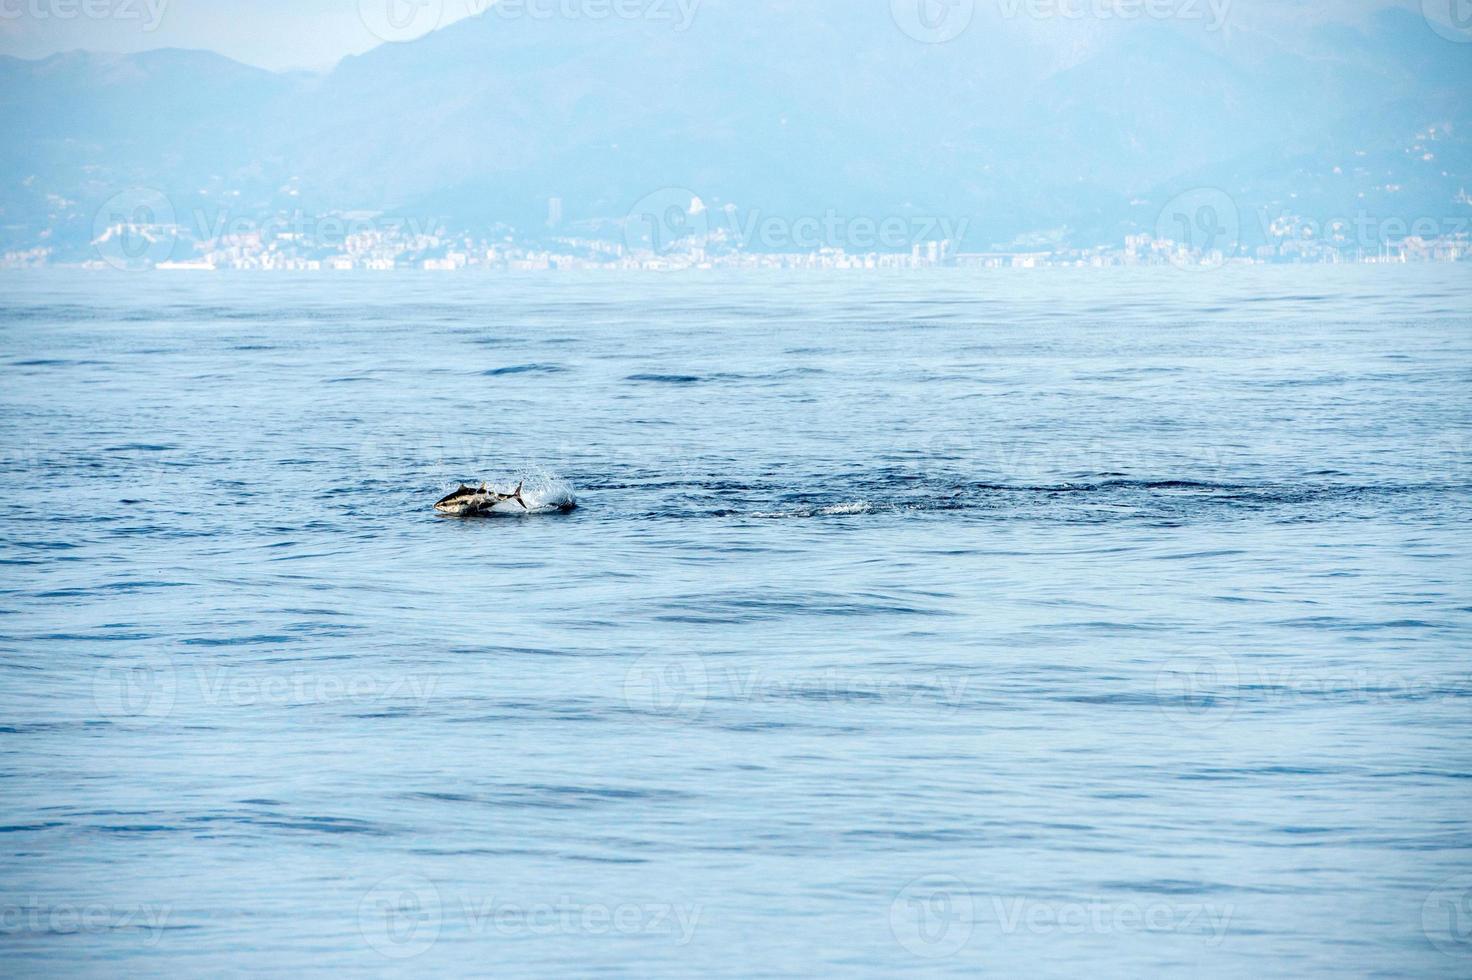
<point x="1007" y="624"/>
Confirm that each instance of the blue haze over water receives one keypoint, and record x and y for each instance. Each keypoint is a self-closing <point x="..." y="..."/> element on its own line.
<point x="1048" y="624"/>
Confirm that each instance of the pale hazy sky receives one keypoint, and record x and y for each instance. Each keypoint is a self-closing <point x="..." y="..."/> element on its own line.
<point x="281" y="34"/>
<point x="270" y="33"/>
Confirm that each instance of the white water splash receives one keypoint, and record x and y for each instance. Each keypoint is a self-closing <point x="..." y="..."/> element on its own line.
<point x="546" y="492"/>
<point x="543" y="491"/>
<point x="857" y="507"/>
<point x="832" y="510"/>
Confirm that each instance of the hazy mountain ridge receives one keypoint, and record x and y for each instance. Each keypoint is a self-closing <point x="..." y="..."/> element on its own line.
<point x="770" y="108"/>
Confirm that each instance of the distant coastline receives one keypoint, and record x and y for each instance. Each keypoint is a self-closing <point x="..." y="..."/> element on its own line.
<point x="384" y="252"/>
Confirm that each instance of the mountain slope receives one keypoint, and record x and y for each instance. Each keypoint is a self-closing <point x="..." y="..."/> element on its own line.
<point x="767" y="106"/>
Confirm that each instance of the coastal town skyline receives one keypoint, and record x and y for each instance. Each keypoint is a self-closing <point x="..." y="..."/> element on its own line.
<point x="133" y="234"/>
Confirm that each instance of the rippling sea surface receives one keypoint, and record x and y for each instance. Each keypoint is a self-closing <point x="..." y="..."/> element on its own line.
<point x="1046" y="624"/>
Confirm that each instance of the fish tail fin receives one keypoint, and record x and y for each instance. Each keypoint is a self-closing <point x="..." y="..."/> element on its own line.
<point x="517" y="496"/>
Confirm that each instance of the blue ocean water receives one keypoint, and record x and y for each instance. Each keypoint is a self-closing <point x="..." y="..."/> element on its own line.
<point x="1045" y="623"/>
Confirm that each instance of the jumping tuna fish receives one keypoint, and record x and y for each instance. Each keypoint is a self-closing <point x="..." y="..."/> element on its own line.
<point x="468" y="500"/>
